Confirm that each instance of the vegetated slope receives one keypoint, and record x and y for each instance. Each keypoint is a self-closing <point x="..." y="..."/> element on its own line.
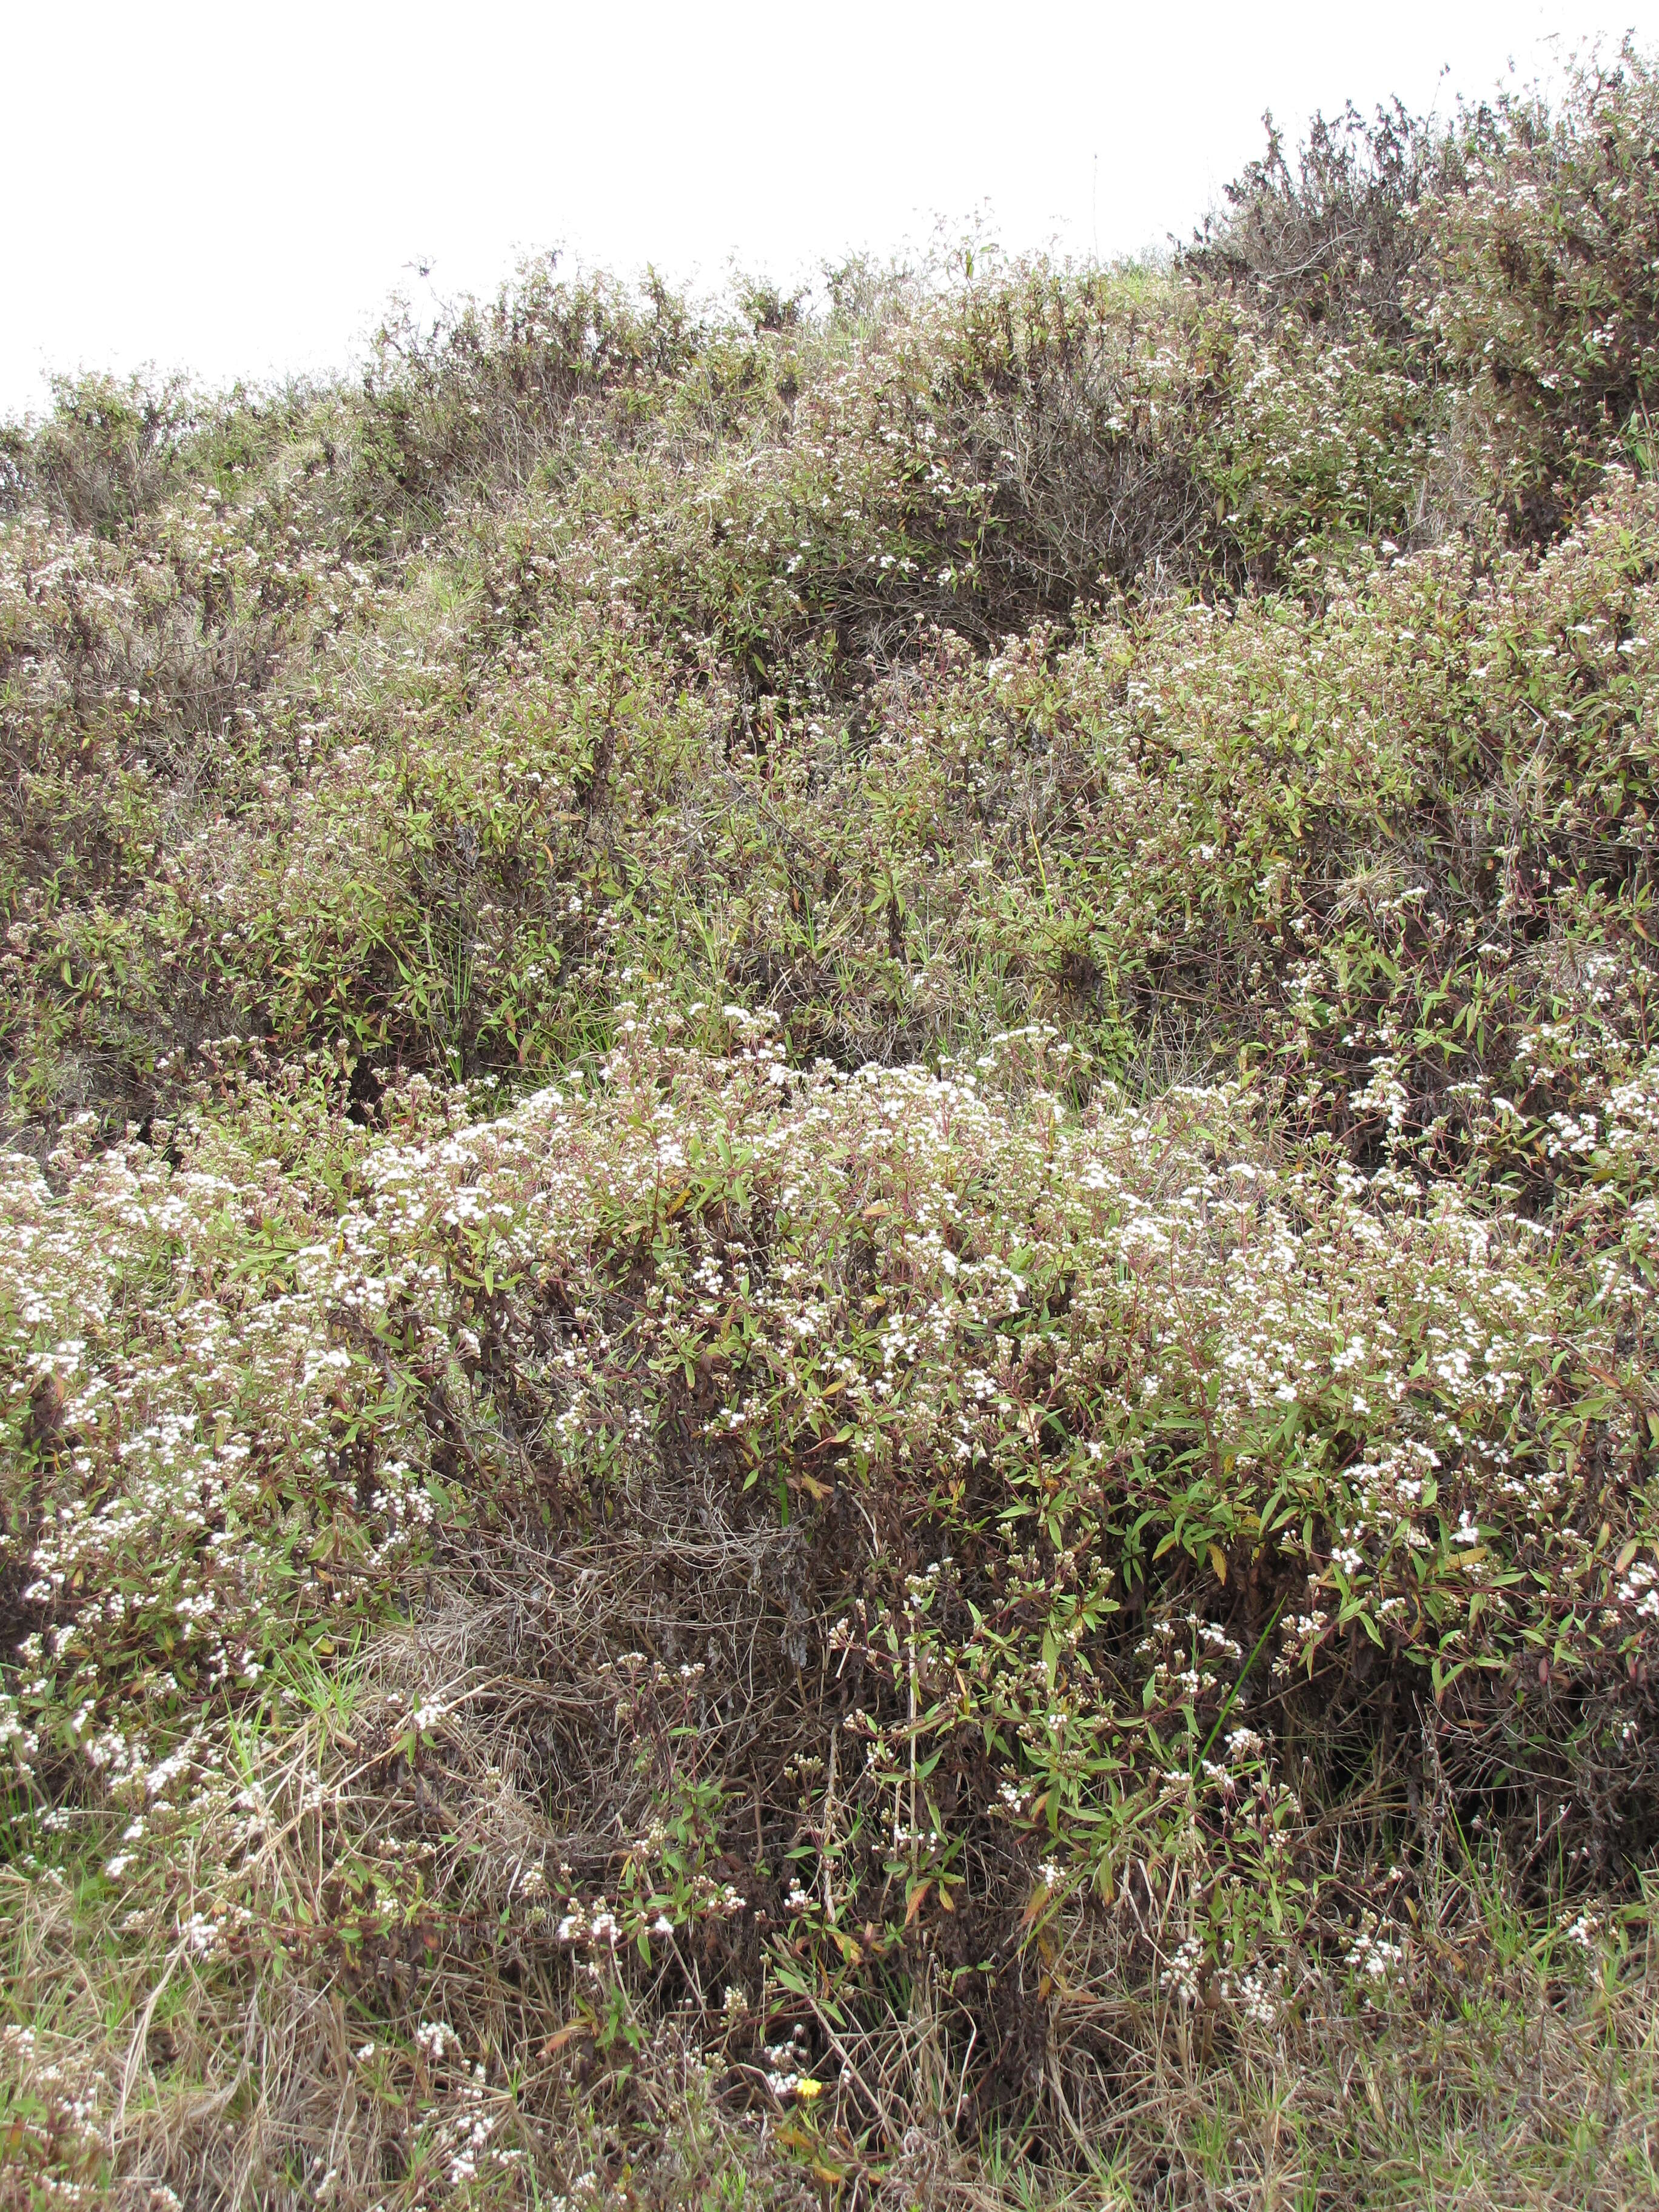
<point x="829" y="1238"/>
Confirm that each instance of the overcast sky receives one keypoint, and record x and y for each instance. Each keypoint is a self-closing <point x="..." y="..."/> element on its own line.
<point x="236" y="190"/>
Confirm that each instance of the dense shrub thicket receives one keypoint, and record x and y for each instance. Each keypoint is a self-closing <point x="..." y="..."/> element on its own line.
<point x="831" y="1211"/>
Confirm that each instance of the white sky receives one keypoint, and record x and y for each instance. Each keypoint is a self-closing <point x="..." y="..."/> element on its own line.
<point x="236" y="189"/>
